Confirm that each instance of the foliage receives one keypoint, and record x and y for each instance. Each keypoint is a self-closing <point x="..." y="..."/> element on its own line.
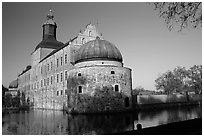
<point x="180" y="14"/>
<point x="181" y="80"/>
<point x="4" y="89"/>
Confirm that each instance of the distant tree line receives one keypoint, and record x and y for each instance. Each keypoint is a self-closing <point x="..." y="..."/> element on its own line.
<point x="181" y="80"/>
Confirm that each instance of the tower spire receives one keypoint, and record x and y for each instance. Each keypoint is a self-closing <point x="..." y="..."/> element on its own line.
<point x="50" y="15"/>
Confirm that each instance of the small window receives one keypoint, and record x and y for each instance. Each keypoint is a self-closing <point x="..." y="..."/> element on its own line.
<point x="112" y="72"/>
<point x="57" y="62"/>
<point x="61" y="61"/>
<point x="65" y="60"/>
<point x="65" y="73"/>
<point x="61" y="92"/>
<point x="61" y="76"/>
<point x="116" y="88"/>
<point x="102" y="62"/>
<point x="80" y="89"/>
<point x="57" y="93"/>
<point x="44" y="82"/>
<point x="41" y="83"/>
<point x="48" y="67"/>
<point x="51" y="65"/>
<point x="47" y="81"/>
<point x="89" y="33"/>
<point x="79" y="74"/>
<point x="51" y="79"/>
<point x="57" y="78"/>
<point x="127" y="104"/>
<point x="83" y="40"/>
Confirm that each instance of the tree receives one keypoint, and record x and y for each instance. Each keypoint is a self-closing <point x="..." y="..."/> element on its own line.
<point x="180" y="14"/>
<point x="181" y="80"/>
<point x="4" y="90"/>
<point x="195" y="76"/>
<point x="168" y="82"/>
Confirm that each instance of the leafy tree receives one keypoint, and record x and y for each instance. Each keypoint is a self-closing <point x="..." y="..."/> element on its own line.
<point x="8" y="100"/>
<point x="181" y="80"/>
<point x="195" y="76"/>
<point x="4" y="89"/>
<point x="168" y="82"/>
<point x="180" y="14"/>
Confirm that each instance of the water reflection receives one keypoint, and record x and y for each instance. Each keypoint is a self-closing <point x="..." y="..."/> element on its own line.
<point x="56" y="122"/>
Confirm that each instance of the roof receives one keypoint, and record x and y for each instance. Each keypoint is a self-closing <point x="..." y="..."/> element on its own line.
<point x="14" y="84"/>
<point x="98" y="49"/>
<point x="49" y="42"/>
<point x="54" y="51"/>
<point x="24" y="71"/>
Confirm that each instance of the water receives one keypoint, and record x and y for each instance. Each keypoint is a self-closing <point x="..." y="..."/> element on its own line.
<point x="57" y="123"/>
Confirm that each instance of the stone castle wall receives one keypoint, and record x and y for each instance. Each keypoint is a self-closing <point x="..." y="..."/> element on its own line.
<point x="98" y="89"/>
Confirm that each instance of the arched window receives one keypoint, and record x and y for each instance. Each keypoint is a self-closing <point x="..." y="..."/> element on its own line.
<point x="89" y="33"/>
<point x="80" y="89"/>
<point x="83" y="40"/>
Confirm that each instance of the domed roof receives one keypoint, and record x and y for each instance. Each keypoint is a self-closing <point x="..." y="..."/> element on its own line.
<point x="98" y="49"/>
<point x="14" y="84"/>
<point x="49" y="42"/>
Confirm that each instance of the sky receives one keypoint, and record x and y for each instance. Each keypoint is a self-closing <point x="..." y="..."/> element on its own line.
<point x="147" y="46"/>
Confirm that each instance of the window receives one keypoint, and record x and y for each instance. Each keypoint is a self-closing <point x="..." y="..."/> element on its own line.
<point x="41" y="83"/>
<point x="47" y="81"/>
<point x="65" y="75"/>
<point x="57" y="62"/>
<point x="65" y="59"/>
<point x="79" y="74"/>
<point x="61" y="92"/>
<point x="51" y="79"/>
<point x="127" y="102"/>
<point x="89" y="33"/>
<point x="57" y="93"/>
<point x="61" y="76"/>
<point x="47" y="67"/>
<point x="116" y="88"/>
<point x="44" y="82"/>
<point x="57" y="78"/>
<point x="51" y="65"/>
<point x="112" y="72"/>
<point x="83" y="41"/>
<point x="61" y="60"/>
<point x="80" y="89"/>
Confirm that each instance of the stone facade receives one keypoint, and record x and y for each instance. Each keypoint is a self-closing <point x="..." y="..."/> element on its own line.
<point x="99" y="89"/>
<point x="48" y="83"/>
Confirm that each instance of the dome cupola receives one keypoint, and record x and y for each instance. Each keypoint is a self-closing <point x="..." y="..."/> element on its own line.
<point x="98" y="49"/>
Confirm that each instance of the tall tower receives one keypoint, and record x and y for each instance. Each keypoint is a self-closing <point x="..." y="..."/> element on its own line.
<point x="49" y="41"/>
<point x="49" y="27"/>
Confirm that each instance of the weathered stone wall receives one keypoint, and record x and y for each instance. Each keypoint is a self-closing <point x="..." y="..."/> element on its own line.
<point x="98" y="89"/>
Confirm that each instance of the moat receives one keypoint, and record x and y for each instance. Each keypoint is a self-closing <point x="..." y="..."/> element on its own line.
<point x="51" y="122"/>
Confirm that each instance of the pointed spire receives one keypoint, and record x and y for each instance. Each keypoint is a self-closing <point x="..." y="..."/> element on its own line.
<point x="50" y="16"/>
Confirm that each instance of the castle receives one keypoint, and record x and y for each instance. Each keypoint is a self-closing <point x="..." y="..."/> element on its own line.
<point x="86" y="74"/>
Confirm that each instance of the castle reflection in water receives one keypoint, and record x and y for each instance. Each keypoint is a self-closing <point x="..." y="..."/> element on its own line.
<point x="56" y="122"/>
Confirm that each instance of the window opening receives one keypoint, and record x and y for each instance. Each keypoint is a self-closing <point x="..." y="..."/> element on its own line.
<point x="80" y="89"/>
